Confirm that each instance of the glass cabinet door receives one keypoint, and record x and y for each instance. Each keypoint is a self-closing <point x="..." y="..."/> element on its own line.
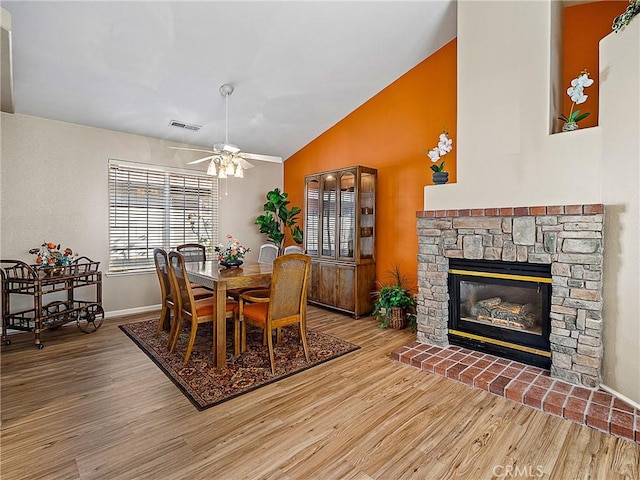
<point x="312" y="219"/>
<point x="347" y="217"/>
<point x="367" y="215"/>
<point x="329" y="211"/>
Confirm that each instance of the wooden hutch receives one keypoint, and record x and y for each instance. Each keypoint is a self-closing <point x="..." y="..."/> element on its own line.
<point x="340" y="228"/>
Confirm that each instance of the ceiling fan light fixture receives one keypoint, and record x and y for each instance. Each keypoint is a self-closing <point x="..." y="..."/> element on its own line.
<point x="211" y="170"/>
<point x="239" y="171"/>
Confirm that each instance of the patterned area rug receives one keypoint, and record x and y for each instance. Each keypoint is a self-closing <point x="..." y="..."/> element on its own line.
<point x="207" y="386"/>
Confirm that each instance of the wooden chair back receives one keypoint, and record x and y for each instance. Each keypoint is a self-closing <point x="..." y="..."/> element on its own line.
<point x="181" y="287"/>
<point x="288" y="291"/>
<point x="193" y="252"/>
<point x="161" y="262"/>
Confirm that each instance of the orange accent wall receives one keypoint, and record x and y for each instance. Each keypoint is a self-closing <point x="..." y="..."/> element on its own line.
<point x="584" y="26"/>
<point x="391" y="132"/>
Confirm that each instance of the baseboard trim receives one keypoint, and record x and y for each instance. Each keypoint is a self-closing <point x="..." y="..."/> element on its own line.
<point x="620" y="396"/>
<point x="131" y="311"/>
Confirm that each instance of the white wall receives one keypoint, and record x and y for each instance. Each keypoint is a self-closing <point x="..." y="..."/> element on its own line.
<point x="54" y="187"/>
<point x="506" y="156"/>
<point x="620" y="124"/>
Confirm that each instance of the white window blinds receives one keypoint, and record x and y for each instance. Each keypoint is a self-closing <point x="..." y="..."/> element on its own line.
<point x="152" y="206"/>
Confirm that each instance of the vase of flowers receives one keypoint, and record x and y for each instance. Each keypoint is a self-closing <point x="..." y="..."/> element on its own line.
<point x="577" y="95"/>
<point x="231" y="255"/>
<point x="436" y="154"/>
<point x="50" y="255"/>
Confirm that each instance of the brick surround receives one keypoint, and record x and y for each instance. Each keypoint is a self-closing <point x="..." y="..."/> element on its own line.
<point x="569" y="237"/>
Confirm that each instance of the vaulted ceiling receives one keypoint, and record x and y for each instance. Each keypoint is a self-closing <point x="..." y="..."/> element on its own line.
<point x="298" y="67"/>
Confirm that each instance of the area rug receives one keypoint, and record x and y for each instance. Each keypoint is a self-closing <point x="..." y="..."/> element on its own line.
<point x="206" y="385"/>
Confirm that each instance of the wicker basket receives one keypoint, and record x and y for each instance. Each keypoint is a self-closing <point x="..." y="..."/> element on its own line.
<point x="397" y="318"/>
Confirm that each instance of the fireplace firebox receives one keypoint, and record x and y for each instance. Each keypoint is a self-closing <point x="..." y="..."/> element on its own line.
<point x="501" y="308"/>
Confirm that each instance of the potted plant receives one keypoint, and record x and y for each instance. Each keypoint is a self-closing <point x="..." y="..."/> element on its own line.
<point x="445" y="144"/>
<point x="394" y="305"/>
<point x="624" y="18"/>
<point x="576" y="92"/>
<point x="278" y="218"/>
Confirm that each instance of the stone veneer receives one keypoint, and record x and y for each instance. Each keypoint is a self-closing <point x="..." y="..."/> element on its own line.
<point x="568" y="237"/>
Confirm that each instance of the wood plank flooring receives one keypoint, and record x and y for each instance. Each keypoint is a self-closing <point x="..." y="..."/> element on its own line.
<point x="95" y="407"/>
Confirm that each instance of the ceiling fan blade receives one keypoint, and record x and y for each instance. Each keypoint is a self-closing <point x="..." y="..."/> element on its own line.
<point x="260" y="157"/>
<point x="200" y="160"/>
<point x="192" y="149"/>
<point x="244" y="164"/>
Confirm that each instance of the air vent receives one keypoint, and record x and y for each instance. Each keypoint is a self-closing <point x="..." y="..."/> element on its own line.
<point x="187" y="126"/>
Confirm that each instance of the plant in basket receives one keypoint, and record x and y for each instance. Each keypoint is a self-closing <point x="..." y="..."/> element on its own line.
<point x="394" y="305"/>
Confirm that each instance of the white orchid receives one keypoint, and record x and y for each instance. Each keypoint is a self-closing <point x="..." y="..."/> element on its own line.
<point x="577" y="95"/>
<point x="434" y="154"/>
<point x="445" y="145"/>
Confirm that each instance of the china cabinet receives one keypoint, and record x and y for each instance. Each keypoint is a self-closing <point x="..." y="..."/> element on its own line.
<point x="340" y="209"/>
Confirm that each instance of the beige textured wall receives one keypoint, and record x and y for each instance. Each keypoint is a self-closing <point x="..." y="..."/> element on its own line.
<point x="54" y="187"/>
<point x="620" y="123"/>
<point x="506" y="156"/>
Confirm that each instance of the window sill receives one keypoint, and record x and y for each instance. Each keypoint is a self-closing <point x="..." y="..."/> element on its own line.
<point x="130" y="272"/>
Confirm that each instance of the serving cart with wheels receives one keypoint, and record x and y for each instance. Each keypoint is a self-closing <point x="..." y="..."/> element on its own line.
<point x="50" y="294"/>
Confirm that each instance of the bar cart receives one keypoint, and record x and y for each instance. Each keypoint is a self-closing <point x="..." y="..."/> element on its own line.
<point x="21" y="281"/>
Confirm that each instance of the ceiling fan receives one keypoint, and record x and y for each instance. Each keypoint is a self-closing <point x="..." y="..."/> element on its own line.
<point x="226" y="159"/>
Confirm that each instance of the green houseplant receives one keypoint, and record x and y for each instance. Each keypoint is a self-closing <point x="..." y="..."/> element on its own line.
<point x="279" y="218"/>
<point x="394" y="305"/>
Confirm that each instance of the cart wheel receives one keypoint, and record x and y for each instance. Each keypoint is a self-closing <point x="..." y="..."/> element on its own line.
<point x="40" y="346"/>
<point x="7" y="342"/>
<point x="57" y="313"/>
<point x="90" y="318"/>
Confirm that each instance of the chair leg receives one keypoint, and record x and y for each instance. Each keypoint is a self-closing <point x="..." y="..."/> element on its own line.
<point x="175" y="332"/>
<point x="192" y="340"/>
<point x="236" y="335"/>
<point x="303" y="336"/>
<point x="271" y="355"/>
<point x="278" y="335"/>
<point x="243" y="334"/>
<point x="163" y="320"/>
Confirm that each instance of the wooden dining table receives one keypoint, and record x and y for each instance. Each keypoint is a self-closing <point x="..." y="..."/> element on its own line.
<point x="219" y="279"/>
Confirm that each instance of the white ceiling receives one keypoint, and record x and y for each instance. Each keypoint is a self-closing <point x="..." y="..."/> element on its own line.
<point x="298" y="67"/>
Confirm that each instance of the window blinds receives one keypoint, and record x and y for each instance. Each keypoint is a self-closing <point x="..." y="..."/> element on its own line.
<point x="155" y="207"/>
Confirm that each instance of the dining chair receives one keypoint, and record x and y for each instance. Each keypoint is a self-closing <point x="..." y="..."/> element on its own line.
<point x="188" y="308"/>
<point x="160" y="258"/>
<point x="268" y="252"/>
<point x="293" y="249"/>
<point x="285" y="305"/>
<point x="193" y="252"/>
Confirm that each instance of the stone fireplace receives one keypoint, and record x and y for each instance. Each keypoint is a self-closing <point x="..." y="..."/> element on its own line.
<point x="568" y="238"/>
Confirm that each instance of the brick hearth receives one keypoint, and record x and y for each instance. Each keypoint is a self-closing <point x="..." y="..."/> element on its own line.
<point x="569" y="237"/>
<point x="526" y="385"/>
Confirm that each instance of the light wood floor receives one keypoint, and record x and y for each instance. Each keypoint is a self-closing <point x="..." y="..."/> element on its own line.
<point x="94" y="406"/>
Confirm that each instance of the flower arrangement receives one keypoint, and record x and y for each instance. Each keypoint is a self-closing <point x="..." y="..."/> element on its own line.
<point x="576" y="93"/>
<point x="444" y="146"/>
<point x="625" y="17"/>
<point x="49" y="254"/>
<point x="233" y="252"/>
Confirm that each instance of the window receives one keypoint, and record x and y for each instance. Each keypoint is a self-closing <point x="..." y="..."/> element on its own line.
<point x="157" y="207"/>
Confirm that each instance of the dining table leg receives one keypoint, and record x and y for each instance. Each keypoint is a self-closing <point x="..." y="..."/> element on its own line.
<point x="220" y="330"/>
